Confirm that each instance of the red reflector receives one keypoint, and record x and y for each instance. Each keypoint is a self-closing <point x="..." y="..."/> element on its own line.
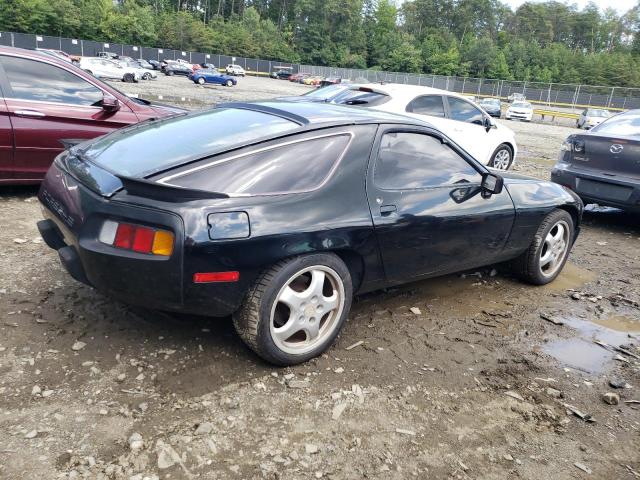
<point x="124" y="236"/>
<point x="210" y="277"/>
<point x="143" y="240"/>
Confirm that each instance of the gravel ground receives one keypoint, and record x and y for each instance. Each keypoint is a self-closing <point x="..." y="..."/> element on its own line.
<point x="473" y="384"/>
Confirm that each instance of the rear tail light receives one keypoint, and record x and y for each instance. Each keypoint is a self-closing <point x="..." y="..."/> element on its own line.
<point x="137" y="238"/>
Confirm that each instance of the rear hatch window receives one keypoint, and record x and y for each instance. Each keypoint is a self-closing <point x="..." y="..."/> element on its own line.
<point x="363" y="97"/>
<point x="151" y="147"/>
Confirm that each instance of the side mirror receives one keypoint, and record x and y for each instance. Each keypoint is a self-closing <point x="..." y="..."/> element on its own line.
<point x="488" y="124"/>
<point x="492" y="184"/>
<point x="110" y="104"/>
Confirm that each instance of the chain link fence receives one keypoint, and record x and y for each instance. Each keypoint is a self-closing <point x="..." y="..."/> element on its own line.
<point x="566" y="96"/>
<point x="562" y="96"/>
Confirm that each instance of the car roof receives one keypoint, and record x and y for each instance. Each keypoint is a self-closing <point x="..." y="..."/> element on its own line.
<point x="402" y="91"/>
<point x="317" y="115"/>
<point x="33" y="54"/>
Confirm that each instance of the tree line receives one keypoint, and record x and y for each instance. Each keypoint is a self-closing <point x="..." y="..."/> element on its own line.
<point x="545" y="42"/>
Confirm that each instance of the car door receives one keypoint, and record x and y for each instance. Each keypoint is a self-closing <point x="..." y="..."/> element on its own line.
<point x="469" y="130"/>
<point x="429" y="212"/>
<point x="46" y="104"/>
<point x="6" y="141"/>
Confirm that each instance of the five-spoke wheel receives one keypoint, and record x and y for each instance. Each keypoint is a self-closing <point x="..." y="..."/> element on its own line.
<point x="296" y="308"/>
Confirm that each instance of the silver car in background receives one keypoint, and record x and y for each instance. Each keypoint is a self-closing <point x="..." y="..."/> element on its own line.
<point x="592" y="117"/>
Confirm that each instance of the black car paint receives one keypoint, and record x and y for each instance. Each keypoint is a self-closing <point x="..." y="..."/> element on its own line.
<point x="439" y="228"/>
<point x="598" y="172"/>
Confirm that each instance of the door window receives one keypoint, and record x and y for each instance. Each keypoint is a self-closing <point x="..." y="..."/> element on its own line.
<point x="41" y="82"/>
<point x="408" y="160"/>
<point x="427" y="105"/>
<point x="464" y="111"/>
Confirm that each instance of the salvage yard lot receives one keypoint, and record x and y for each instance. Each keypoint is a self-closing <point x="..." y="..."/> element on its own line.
<point x="457" y="377"/>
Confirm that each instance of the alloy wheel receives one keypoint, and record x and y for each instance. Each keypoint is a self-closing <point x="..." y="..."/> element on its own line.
<point x="554" y="249"/>
<point x="502" y="159"/>
<point x="307" y="309"/>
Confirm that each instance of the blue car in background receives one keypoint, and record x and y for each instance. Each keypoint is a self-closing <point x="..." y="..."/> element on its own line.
<point x="204" y="75"/>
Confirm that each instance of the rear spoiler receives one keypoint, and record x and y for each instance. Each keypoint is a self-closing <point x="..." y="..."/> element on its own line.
<point x="164" y="192"/>
<point x="107" y="184"/>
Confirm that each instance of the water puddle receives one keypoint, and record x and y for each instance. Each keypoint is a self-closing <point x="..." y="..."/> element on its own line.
<point x="582" y="353"/>
<point x="571" y="276"/>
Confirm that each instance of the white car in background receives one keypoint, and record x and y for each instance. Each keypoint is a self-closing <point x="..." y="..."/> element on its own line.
<point x="109" y="69"/>
<point x="592" y="117"/>
<point x="519" y="111"/>
<point x="461" y="120"/>
<point x="145" y="74"/>
<point x="233" y="69"/>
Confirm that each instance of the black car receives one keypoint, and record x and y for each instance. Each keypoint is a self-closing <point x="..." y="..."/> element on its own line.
<point x="277" y="213"/>
<point x="492" y="106"/>
<point x="177" y="68"/>
<point x="283" y="74"/>
<point x="603" y="165"/>
<point x="157" y="65"/>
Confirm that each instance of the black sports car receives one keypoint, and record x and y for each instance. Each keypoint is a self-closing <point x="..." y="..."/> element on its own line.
<point x="177" y="68"/>
<point x="603" y="165"/>
<point x="279" y="212"/>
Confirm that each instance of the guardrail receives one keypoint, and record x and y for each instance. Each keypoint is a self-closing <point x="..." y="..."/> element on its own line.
<point x="554" y="113"/>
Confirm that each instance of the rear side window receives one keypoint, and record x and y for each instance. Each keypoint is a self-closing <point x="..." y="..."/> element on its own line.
<point x="464" y="111"/>
<point x="409" y="160"/>
<point x="291" y="167"/>
<point x="627" y="124"/>
<point x="427" y="105"/>
<point x="41" y="82"/>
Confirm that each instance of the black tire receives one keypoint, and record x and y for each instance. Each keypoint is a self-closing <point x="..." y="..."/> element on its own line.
<point x="502" y="150"/>
<point x="229" y="83"/>
<point x="146" y="76"/>
<point x="253" y="320"/>
<point x="169" y="73"/>
<point x="89" y="72"/>
<point x="527" y="267"/>
<point x="128" y="78"/>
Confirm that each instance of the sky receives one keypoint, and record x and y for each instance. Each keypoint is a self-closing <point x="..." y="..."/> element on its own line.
<point x="622" y="6"/>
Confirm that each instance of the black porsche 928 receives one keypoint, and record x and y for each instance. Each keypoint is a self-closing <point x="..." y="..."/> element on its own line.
<point x="277" y="213"/>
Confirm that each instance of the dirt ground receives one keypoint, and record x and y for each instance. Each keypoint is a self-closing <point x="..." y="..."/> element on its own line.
<point x="473" y="384"/>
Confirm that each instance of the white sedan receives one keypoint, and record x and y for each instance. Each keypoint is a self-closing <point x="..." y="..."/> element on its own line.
<point x="519" y="111"/>
<point x="109" y="69"/>
<point x="461" y="120"/>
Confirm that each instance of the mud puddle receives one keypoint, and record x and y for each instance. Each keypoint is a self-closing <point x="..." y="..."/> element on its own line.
<point x="583" y="353"/>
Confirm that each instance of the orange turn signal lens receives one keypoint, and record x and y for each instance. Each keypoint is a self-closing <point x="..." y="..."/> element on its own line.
<point x="162" y="243"/>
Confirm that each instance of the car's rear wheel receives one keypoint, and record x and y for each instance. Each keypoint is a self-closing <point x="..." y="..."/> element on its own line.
<point x="128" y="77"/>
<point x="229" y="83"/>
<point x="146" y="76"/>
<point x="544" y="259"/>
<point x="502" y="158"/>
<point x="296" y="309"/>
<point x="201" y="81"/>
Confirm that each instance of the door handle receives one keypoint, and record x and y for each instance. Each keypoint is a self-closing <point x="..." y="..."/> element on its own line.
<point x="386" y="210"/>
<point x="29" y="113"/>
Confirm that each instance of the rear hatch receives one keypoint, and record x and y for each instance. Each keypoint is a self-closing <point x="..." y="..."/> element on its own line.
<point x="607" y="155"/>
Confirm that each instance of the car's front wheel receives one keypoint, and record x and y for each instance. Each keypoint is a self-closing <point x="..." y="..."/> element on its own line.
<point x="502" y="158"/>
<point x="544" y="259"/>
<point x="229" y="83"/>
<point x="296" y="309"/>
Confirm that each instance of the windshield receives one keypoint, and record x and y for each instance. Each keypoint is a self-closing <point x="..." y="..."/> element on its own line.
<point x="521" y="105"/>
<point x="490" y="101"/>
<point x="150" y="147"/>
<point x="627" y="124"/>
<point x="324" y="92"/>
<point x="598" y="113"/>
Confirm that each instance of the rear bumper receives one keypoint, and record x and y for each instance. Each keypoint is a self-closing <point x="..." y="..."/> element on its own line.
<point x="72" y="222"/>
<point x="619" y="192"/>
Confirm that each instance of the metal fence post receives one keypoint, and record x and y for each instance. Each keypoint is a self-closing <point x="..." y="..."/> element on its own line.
<point x="611" y="97"/>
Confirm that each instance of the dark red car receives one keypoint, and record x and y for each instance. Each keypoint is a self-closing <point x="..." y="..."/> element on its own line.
<point x="46" y="102"/>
